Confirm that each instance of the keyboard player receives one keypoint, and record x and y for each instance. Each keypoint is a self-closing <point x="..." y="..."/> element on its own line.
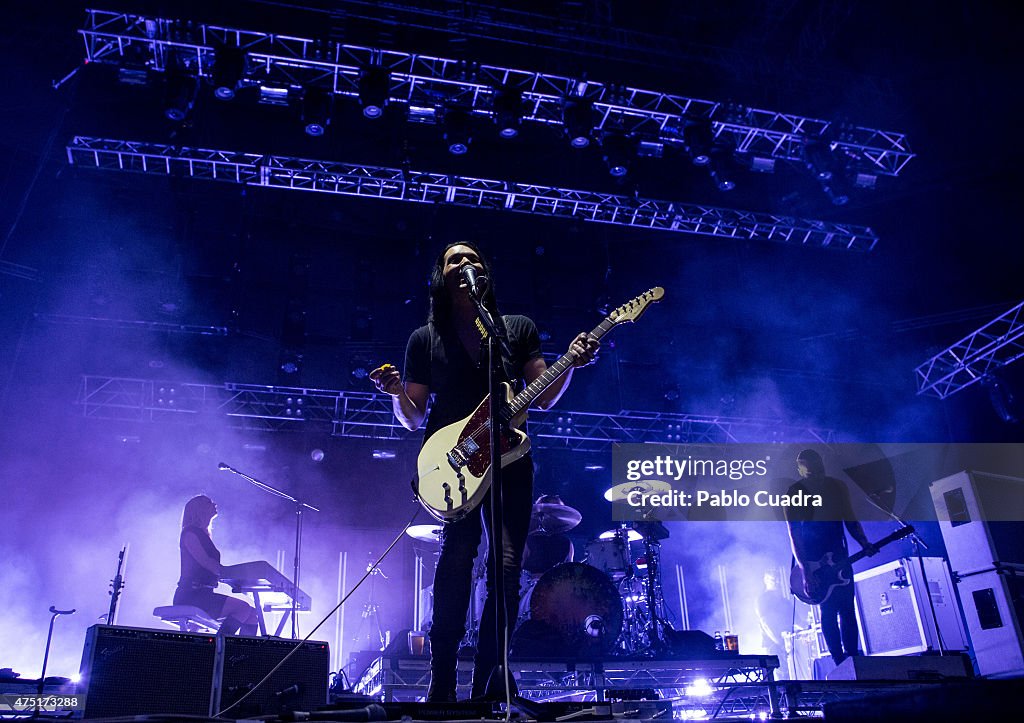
<point x="201" y="572"/>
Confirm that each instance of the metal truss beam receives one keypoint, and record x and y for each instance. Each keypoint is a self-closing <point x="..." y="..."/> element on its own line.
<point x="427" y="81"/>
<point x="424" y="187"/>
<point x="364" y="415"/>
<point x="998" y="343"/>
<point x="561" y="34"/>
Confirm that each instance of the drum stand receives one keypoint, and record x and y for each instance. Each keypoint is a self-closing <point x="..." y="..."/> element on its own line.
<point x="370" y="618"/>
<point x="656" y="624"/>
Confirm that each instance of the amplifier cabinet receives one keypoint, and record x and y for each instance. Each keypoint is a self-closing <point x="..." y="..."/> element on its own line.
<point x="994" y="608"/>
<point x="980" y="518"/>
<point x="895" y="604"/>
<point x="138" y="671"/>
<point x="300" y="684"/>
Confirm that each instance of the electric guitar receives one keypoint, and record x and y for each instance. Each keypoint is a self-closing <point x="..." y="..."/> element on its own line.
<point x="454" y="465"/>
<point x="825" y="575"/>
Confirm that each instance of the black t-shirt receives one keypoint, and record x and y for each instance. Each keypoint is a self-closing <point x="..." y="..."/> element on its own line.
<point x="458" y="382"/>
<point x="822" y="529"/>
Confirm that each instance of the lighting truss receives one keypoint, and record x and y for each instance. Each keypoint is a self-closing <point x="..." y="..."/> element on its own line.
<point x="365" y="415"/>
<point x="998" y="343"/>
<point x="426" y="81"/>
<point x="425" y="187"/>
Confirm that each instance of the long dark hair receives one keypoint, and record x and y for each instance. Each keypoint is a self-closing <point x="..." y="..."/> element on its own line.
<point x="440" y="313"/>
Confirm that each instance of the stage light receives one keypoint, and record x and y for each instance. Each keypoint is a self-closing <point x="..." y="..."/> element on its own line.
<point x="699" y="138"/>
<point x="820" y="160"/>
<point x="721" y="182"/>
<point x="578" y="122"/>
<point x="228" y="63"/>
<point x="179" y="96"/>
<point x="272" y="95"/>
<point x="456" y="130"/>
<point x="700" y="688"/>
<point x="317" y="455"/>
<point x="508" y="108"/>
<point x="316" y="110"/>
<point x="374" y="85"/>
<point x="618" y="152"/>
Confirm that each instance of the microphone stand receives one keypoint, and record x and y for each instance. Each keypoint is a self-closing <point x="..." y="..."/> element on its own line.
<point x="496" y="335"/>
<point x="300" y="507"/>
<point x="41" y="683"/>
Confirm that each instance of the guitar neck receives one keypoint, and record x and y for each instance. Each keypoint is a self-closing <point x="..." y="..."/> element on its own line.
<point x="898" y="534"/>
<point x="522" y="401"/>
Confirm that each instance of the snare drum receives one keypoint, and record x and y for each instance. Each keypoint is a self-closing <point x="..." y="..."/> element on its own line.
<point x="611" y="557"/>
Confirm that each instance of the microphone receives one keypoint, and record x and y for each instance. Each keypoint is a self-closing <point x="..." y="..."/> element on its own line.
<point x="222" y="466"/>
<point x="476" y="282"/>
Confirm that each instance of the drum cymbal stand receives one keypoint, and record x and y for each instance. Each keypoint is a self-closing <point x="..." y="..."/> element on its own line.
<point x="370" y="628"/>
<point x="656" y="623"/>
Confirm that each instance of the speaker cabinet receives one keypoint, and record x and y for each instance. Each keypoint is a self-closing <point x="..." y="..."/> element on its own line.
<point x="910" y="667"/>
<point x="137" y="671"/>
<point x="300" y="684"/>
<point x="981" y="518"/>
<point x="895" y="604"/>
<point x="994" y="610"/>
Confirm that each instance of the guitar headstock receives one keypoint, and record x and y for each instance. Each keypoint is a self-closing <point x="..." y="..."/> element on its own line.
<point x="632" y="309"/>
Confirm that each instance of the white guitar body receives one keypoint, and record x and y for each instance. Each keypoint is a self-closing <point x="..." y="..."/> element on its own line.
<point x="454" y="466"/>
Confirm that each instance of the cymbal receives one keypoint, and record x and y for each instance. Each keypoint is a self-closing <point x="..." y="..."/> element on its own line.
<point x="425" y="533"/>
<point x="634" y="536"/>
<point x="552" y="518"/>
<point x="645" y="486"/>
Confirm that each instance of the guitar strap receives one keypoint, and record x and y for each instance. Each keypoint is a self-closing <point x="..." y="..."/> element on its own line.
<point x="506" y="363"/>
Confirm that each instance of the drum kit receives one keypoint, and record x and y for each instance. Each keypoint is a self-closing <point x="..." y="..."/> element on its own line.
<point x="610" y="603"/>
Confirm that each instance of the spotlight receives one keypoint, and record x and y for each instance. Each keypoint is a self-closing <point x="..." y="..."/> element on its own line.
<point x="374" y="85"/>
<point x="820" y="160"/>
<point x="576" y="117"/>
<point x="316" y="110"/>
<point x="698" y="138"/>
<point x="180" y="96"/>
<point x="721" y="182"/>
<point x="456" y="131"/>
<point x="317" y="455"/>
<point x="228" y="63"/>
<point x="508" y="104"/>
<point x="618" y="152"/>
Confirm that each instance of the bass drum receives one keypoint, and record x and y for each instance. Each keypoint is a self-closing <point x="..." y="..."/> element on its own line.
<point x="574" y="611"/>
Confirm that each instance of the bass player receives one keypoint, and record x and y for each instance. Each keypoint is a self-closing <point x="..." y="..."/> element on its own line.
<point x="447" y="358"/>
<point x="818" y="534"/>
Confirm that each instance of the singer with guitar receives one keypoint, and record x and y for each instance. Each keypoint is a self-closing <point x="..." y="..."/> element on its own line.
<point x="446" y="358"/>
<point x="818" y="540"/>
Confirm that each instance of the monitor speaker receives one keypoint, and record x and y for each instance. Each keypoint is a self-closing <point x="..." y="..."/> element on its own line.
<point x="300" y="684"/>
<point x="138" y="671"/>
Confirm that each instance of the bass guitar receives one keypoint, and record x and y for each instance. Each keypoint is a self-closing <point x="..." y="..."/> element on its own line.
<point x="454" y="465"/>
<point x="825" y="575"/>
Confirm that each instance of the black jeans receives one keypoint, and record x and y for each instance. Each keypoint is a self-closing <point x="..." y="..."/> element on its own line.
<point x="839" y="624"/>
<point x="453" y="581"/>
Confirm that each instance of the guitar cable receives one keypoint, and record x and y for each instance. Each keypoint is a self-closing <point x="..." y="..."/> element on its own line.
<point x="336" y="608"/>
